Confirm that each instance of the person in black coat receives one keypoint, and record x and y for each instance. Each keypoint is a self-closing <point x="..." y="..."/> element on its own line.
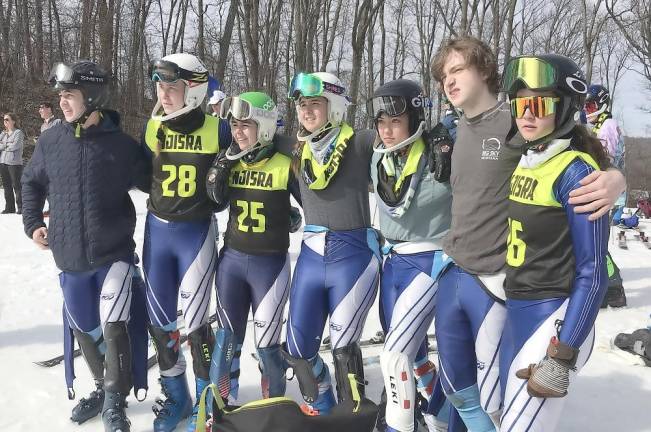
<point x="86" y="167"/>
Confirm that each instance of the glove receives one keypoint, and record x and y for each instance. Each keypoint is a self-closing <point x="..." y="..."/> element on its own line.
<point x="295" y="219"/>
<point x="217" y="179"/>
<point x="439" y="153"/>
<point x="551" y="377"/>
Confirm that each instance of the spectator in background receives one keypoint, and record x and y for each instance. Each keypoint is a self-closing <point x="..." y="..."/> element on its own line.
<point x="45" y="111"/>
<point x="12" y="141"/>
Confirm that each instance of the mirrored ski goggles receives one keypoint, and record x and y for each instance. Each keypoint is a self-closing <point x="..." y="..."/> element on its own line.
<point x="533" y="72"/>
<point x="391" y="105"/>
<point x="591" y="107"/>
<point x="61" y="73"/>
<point x="539" y="106"/>
<point x="308" y="85"/>
<point x="243" y="110"/>
<point x="169" y="72"/>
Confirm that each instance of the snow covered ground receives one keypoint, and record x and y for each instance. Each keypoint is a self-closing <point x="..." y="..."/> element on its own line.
<point x="613" y="392"/>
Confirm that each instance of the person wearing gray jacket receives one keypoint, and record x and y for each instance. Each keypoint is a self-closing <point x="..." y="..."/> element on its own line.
<point x="12" y="142"/>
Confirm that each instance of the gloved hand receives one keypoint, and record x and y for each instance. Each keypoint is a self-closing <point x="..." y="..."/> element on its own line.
<point x="295" y="219"/>
<point x="551" y="377"/>
<point x="439" y="152"/>
<point x="217" y="179"/>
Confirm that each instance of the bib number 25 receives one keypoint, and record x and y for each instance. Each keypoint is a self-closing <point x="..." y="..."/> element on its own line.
<point x="252" y="211"/>
<point x="185" y="177"/>
<point x="516" y="247"/>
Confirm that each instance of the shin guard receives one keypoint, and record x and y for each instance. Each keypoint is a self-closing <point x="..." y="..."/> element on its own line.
<point x="348" y="360"/>
<point x="167" y="344"/>
<point x="303" y="371"/>
<point x="118" y="358"/>
<point x="202" y="344"/>
<point x="92" y="346"/>
<point x="273" y="372"/>
<point x="221" y="361"/>
<point x="400" y="388"/>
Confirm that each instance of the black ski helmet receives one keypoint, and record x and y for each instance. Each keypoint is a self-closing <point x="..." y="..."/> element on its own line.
<point x="549" y="72"/>
<point x="86" y="76"/>
<point x="397" y="97"/>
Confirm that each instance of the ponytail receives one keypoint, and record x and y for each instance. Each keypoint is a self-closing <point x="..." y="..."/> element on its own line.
<point x="583" y="141"/>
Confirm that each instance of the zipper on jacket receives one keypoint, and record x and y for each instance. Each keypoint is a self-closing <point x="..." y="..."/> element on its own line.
<point x="84" y="233"/>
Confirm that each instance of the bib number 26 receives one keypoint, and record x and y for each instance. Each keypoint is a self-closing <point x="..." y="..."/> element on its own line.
<point x="516" y="247"/>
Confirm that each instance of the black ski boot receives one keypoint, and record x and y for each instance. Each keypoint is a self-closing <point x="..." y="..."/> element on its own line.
<point x="89" y="407"/>
<point x="113" y="415"/>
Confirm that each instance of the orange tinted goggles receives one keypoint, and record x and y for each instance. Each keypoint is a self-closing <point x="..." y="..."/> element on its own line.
<point x="539" y="106"/>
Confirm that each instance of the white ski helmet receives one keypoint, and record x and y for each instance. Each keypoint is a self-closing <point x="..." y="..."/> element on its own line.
<point x="331" y="88"/>
<point x="185" y="67"/>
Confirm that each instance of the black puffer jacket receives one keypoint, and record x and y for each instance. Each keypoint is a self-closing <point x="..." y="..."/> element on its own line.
<point x="86" y="180"/>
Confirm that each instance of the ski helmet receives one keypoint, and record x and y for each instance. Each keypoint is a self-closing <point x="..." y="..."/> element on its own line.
<point x="549" y="72"/>
<point x="395" y="98"/>
<point x="597" y="101"/>
<point x="322" y="84"/>
<point x="216" y="97"/>
<point x="86" y="76"/>
<point x="256" y="106"/>
<point x="185" y="67"/>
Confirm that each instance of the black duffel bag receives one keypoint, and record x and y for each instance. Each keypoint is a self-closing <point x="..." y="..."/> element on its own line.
<point x="282" y="414"/>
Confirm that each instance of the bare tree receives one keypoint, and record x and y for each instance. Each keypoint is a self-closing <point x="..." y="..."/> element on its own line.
<point x="633" y="17"/>
<point x="365" y="11"/>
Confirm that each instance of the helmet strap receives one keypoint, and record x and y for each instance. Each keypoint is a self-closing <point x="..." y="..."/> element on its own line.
<point x="379" y="146"/>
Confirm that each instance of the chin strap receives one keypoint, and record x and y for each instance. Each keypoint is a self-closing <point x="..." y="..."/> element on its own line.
<point x="379" y="146"/>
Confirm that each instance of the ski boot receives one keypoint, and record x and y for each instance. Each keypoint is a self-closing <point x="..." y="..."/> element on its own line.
<point x="113" y="415"/>
<point x="176" y="406"/>
<point x="615" y="297"/>
<point x="89" y="407"/>
<point x="200" y="385"/>
<point x="322" y="406"/>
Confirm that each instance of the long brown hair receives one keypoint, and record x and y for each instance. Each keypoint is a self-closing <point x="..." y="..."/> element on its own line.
<point x="586" y="142"/>
<point x="296" y="158"/>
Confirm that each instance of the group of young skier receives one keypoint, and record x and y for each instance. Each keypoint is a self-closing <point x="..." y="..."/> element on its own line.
<point x="502" y="241"/>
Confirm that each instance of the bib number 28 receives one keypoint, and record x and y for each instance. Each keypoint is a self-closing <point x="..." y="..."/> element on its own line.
<point x="185" y="177"/>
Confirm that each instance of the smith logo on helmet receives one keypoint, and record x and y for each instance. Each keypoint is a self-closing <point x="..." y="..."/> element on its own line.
<point x="183" y="142"/>
<point x="94" y="79"/>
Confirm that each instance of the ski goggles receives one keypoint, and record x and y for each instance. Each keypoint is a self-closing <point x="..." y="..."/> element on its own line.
<point x="243" y="110"/>
<point x="539" y="106"/>
<point x="308" y="85"/>
<point x="170" y="72"/>
<point x="591" y="107"/>
<point x="533" y="72"/>
<point x="61" y="73"/>
<point x="391" y="105"/>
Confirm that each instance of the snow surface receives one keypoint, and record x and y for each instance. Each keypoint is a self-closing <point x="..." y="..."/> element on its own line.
<point x="612" y="393"/>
